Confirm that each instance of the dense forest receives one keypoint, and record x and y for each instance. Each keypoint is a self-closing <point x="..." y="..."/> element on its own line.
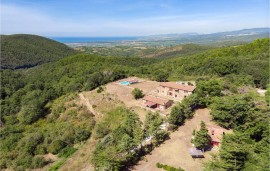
<point x="24" y="51"/>
<point x="38" y="106"/>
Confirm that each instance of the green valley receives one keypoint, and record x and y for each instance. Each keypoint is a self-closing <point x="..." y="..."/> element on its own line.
<point x="44" y="122"/>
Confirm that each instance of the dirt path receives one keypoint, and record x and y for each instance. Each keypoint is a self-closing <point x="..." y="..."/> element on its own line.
<point x="80" y="160"/>
<point x="86" y="102"/>
<point x="174" y="151"/>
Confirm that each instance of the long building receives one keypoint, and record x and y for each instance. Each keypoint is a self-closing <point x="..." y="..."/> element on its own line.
<point x="175" y="90"/>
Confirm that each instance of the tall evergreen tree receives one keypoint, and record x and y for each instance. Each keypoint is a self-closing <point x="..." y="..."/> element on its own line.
<point x="202" y="138"/>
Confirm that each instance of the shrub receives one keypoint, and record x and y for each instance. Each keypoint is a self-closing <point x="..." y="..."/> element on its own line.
<point x="100" y="89"/>
<point x="137" y="93"/>
<point x="82" y="135"/>
<point x="41" y="149"/>
<point x="56" y="146"/>
<point x="38" y="162"/>
<point x="168" y="168"/>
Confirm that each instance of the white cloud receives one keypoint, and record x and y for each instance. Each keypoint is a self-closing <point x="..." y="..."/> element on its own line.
<point x="16" y="19"/>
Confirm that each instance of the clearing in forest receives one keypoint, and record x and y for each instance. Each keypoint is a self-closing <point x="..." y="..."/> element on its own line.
<point x="174" y="152"/>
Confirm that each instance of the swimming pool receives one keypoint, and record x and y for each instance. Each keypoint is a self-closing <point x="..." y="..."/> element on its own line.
<point x="124" y="83"/>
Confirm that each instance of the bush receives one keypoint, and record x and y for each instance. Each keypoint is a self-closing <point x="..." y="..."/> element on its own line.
<point x="137" y="93"/>
<point x="82" y="135"/>
<point x="100" y="89"/>
<point x="56" y="146"/>
<point x="38" y="162"/>
<point x="41" y="149"/>
<point x="168" y="168"/>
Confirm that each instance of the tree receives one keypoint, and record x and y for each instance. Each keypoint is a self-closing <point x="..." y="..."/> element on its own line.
<point x="161" y="76"/>
<point x="159" y="136"/>
<point x="231" y="111"/>
<point x="29" y="114"/>
<point x="202" y="138"/>
<point x="126" y="143"/>
<point x="152" y="122"/>
<point x="206" y="89"/>
<point x="137" y="93"/>
<point x="176" y="116"/>
<point x="233" y="151"/>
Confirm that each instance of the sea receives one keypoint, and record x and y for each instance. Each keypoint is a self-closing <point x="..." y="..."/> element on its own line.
<point x="92" y="39"/>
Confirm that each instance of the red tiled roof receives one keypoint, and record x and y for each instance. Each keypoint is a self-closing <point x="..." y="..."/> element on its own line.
<point x="215" y="133"/>
<point x="150" y="104"/>
<point x="157" y="100"/>
<point x="178" y="86"/>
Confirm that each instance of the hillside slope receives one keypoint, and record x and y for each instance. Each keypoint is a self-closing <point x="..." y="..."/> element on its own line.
<point x="24" y="51"/>
<point x="38" y="118"/>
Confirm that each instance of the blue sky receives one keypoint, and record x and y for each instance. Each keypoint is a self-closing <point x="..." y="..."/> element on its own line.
<point x="130" y="17"/>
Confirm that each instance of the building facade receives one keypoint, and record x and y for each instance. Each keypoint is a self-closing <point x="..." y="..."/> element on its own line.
<point x="156" y="102"/>
<point x="175" y="90"/>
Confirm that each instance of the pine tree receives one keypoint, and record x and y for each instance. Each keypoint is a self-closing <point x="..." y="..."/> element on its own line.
<point x="202" y="138"/>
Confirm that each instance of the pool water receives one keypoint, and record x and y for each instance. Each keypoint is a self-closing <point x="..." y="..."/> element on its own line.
<point x="124" y="83"/>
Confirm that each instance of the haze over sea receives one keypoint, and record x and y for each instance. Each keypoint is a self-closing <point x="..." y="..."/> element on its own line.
<point x="92" y="39"/>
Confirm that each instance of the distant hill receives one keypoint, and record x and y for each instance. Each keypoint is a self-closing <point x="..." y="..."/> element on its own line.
<point x="176" y="51"/>
<point x="24" y="51"/>
<point x="216" y="39"/>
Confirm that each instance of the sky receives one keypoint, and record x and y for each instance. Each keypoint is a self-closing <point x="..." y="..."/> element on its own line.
<point x="130" y="17"/>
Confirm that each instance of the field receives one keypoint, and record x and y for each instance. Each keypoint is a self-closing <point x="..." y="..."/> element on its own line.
<point x="174" y="152"/>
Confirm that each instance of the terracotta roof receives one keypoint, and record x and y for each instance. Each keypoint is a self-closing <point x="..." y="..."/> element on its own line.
<point x="215" y="133"/>
<point x="178" y="86"/>
<point x="150" y="104"/>
<point x="157" y="100"/>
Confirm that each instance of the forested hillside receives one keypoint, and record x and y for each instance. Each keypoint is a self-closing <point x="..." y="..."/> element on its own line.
<point x="38" y="103"/>
<point x="251" y="60"/>
<point x="24" y="51"/>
